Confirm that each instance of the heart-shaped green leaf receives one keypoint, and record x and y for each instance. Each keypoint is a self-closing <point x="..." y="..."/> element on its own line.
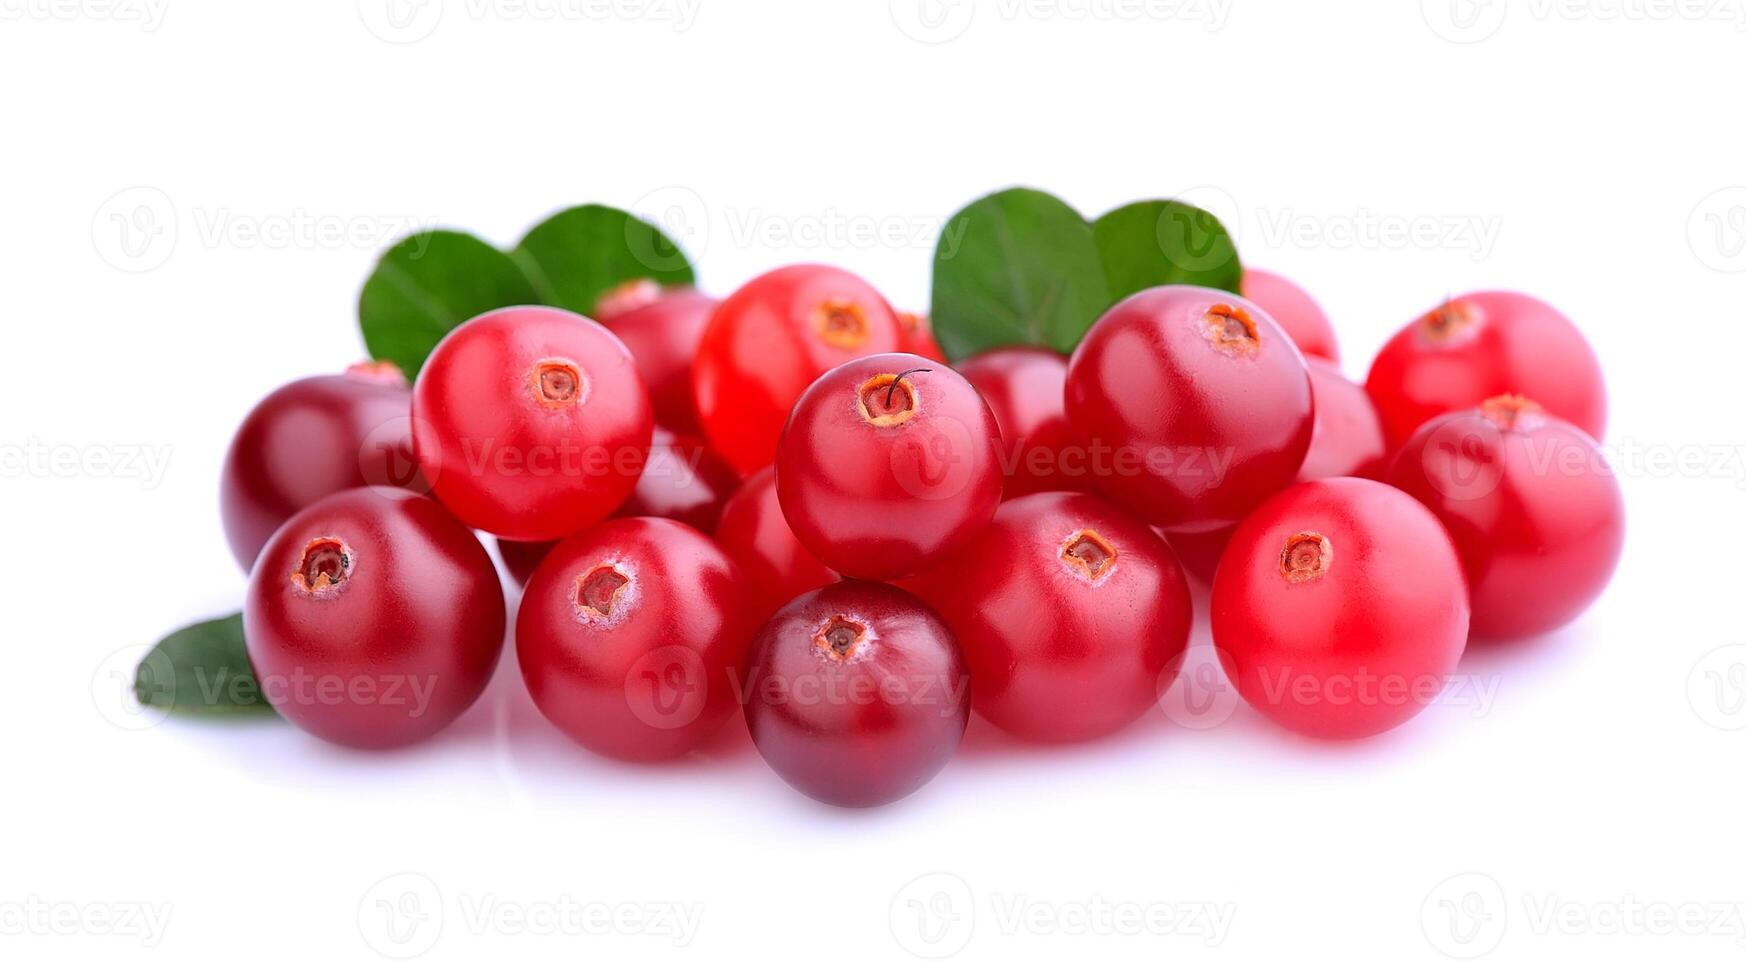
<point x="1016" y="267"/>
<point x="575" y="256"/>
<point x="201" y="669"/>
<point x="427" y="285"/>
<point x="1162" y="243"/>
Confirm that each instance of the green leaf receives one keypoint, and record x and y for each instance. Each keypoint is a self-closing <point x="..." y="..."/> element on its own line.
<point x="201" y="669"/>
<point x="1016" y="267"/>
<point x="1161" y="243"/>
<point x="429" y="284"/>
<point x="576" y="255"/>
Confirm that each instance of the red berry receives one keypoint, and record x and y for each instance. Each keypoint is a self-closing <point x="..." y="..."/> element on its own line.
<point x="1296" y="312"/>
<point x="754" y="532"/>
<point x="531" y="422"/>
<point x="1339" y="608"/>
<point x="769" y="340"/>
<point x="918" y="337"/>
<point x="312" y="438"/>
<point x="1194" y="405"/>
<point x="662" y="333"/>
<point x="1200" y="552"/>
<point x="684" y="480"/>
<point x="1347" y="440"/>
<point x="1480" y="345"/>
<point x="1023" y="388"/>
<point x="1534" y="509"/>
<point x="631" y="635"/>
<point x="888" y="462"/>
<point x="1072" y="615"/>
<point x="856" y="694"/>
<point x="520" y="558"/>
<point x="373" y="618"/>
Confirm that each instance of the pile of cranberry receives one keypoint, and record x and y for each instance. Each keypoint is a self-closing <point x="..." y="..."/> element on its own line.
<point x="788" y="504"/>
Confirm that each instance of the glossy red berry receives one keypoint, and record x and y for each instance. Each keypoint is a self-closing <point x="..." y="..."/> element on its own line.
<point x="520" y="558"/>
<point x="662" y="328"/>
<point x="1483" y="344"/>
<point x="312" y="438"/>
<point x="1347" y="439"/>
<point x="683" y="480"/>
<point x="769" y="340"/>
<point x="631" y="637"/>
<point x="1195" y="407"/>
<point x="888" y="463"/>
<point x="1023" y="387"/>
<point x="856" y="694"/>
<point x="1073" y="616"/>
<point x="754" y="532"/>
<point x="1339" y="608"/>
<point x="917" y="334"/>
<point x="1533" y="506"/>
<point x="1200" y="552"/>
<point x="373" y="618"/>
<point x="1296" y="312"/>
<point x="531" y="422"/>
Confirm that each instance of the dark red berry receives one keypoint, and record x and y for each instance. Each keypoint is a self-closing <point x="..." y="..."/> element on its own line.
<point x="769" y="340"/>
<point x="856" y="694"/>
<point x="1023" y="387"/>
<point x="1483" y="344"/>
<point x="683" y="480"/>
<point x="531" y="422"/>
<point x="312" y="438"/>
<point x="662" y="328"/>
<point x="1339" y="608"/>
<point x="520" y="558"/>
<point x="1347" y="440"/>
<point x="373" y="618"/>
<point x="1073" y="616"/>
<point x="918" y="337"/>
<point x="1533" y="506"/>
<point x="631" y="636"/>
<point x="888" y="463"/>
<point x="1295" y="310"/>
<point x="754" y="532"/>
<point x="1194" y="406"/>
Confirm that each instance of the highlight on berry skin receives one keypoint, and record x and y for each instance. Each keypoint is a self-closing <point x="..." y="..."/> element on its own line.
<point x="841" y="323"/>
<point x="1088" y="554"/>
<point x="325" y="567"/>
<point x="1231" y="330"/>
<point x="1305" y="557"/>
<point x="599" y="592"/>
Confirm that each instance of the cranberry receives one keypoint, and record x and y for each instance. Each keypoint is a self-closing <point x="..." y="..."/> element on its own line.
<point x="856" y="694"/>
<point x="917" y="337"/>
<point x="1339" y="608"/>
<point x="662" y="330"/>
<point x="1347" y="439"/>
<point x="1200" y="552"/>
<point x="531" y="423"/>
<point x="312" y="438"/>
<point x="1533" y="507"/>
<point x="631" y="635"/>
<point x="520" y="558"/>
<point x="769" y="340"/>
<point x="1023" y="388"/>
<point x="1295" y="310"/>
<point x="1194" y="406"/>
<point x="373" y="618"/>
<point x="755" y="533"/>
<point x="1073" y="616"/>
<point x="1483" y="344"/>
<point x="683" y="480"/>
<point x="888" y="462"/>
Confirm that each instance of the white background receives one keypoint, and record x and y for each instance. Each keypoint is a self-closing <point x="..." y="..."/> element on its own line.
<point x="1575" y="801"/>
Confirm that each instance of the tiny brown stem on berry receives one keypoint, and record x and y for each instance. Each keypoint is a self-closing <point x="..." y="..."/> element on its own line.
<point x="887" y="399"/>
<point x="1448" y="321"/>
<point x="1231" y="330"/>
<point x="839" y="638"/>
<point x="1511" y="412"/>
<point x="899" y="376"/>
<point x="1089" y="554"/>
<point x="598" y="591"/>
<point x="326" y="565"/>
<point x="1305" y="557"/>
